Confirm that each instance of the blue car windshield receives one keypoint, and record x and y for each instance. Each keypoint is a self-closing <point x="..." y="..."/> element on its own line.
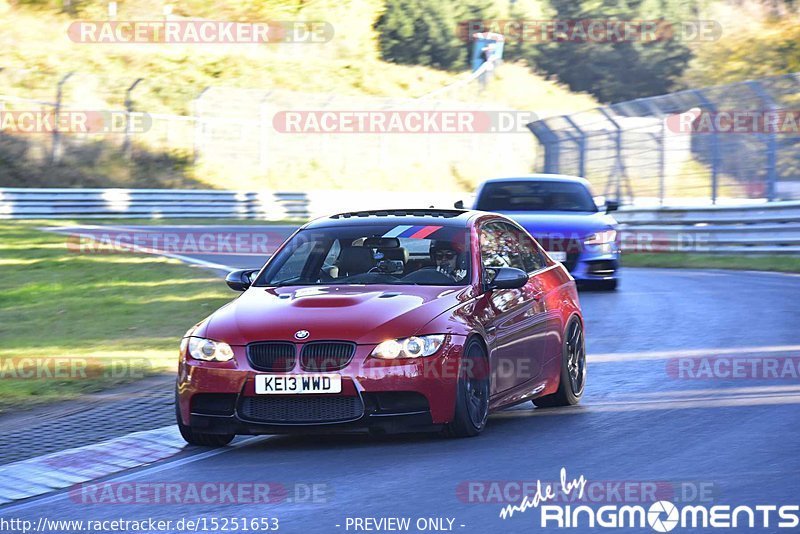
<point x="530" y="195"/>
<point x="370" y="254"/>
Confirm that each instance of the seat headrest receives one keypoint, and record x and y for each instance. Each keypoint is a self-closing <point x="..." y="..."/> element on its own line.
<point x="399" y="253"/>
<point x="355" y="260"/>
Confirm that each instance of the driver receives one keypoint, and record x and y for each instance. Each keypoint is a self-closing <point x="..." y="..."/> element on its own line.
<point x="446" y="257"/>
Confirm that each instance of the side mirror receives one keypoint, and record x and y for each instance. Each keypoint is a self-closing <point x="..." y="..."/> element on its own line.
<point x="509" y="278"/>
<point x="612" y="205"/>
<point x="240" y="280"/>
<point x="459" y="205"/>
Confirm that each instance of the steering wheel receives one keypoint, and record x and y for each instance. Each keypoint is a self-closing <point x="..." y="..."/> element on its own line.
<point x="428" y="274"/>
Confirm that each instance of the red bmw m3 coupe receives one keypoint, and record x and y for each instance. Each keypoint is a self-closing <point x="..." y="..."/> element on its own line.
<point x="398" y="320"/>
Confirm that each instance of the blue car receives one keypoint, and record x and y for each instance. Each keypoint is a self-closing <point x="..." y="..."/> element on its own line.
<point x="560" y="212"/>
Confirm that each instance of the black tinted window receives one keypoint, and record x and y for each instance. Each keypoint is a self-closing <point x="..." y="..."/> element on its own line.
<point x="535" y="196"/>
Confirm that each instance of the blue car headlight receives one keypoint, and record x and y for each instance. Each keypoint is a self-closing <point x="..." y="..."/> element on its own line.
<point x="601" y="238"/>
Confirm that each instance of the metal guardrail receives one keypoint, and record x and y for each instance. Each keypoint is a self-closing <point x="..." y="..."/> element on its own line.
<point x="25" y="203"/>
<point x="22" y="203"/>
<point x="764" y="228"/>
<point x="772" y="228"/>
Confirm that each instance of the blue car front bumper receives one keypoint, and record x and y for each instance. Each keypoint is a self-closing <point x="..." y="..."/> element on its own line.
<point x="594" y="262"/>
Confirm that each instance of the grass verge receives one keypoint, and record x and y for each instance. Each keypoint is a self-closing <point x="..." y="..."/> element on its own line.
<point x="77" y="323"/>
<point x="787" y="264"/>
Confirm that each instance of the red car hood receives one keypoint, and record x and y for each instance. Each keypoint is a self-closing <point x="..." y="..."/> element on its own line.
<point x="364" y="314"/>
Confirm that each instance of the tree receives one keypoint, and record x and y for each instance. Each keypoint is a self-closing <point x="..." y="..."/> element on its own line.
<point x="753" y="50"/>
<point x="420" y="32"/>
<point x="617" y="70"/>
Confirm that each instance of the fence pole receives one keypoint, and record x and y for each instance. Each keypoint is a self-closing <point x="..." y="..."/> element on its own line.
<point x="263" y="132"/>
<point x="655" y="111"/>
<point x="199" y="127"/>
<point x="662" y="164"/>
<point x="581" y="142"/>
<point x="57" y="149"/>
<point x="549" y="141"/>
<point x="715" y="159"/>
<point x="619" y="164"/>
<point x="127" y="148"/>
<point x="771" y="142"/>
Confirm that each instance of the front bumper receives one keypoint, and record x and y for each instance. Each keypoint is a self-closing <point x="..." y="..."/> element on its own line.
<point x="596" y="268"/>
<point x="410" y="422"/>
<point x="377" y="395"/>
<point x="595" y="263"/>
<point x="584" y="262"/>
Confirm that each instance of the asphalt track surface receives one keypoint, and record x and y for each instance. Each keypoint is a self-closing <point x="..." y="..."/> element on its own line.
<point x="733" y="440"/>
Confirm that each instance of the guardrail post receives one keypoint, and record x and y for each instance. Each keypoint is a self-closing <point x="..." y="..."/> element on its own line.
<point x="57" y="149"/>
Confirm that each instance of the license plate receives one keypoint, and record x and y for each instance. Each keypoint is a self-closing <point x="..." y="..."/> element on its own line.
<point x="558" y="256"/>
<point x="298" y="384"/>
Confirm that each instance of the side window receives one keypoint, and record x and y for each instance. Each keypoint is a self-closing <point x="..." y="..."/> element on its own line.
<point x="531" y="256"/>
<point x="500" y="246"/>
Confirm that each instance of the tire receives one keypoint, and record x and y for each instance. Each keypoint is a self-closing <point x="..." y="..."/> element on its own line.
<point x="192" y="437"/>
<point x="472" y="393"/>
<point x="608" y="285"/>
<point x="572" y="380"/>
<point x="598" y="285"/>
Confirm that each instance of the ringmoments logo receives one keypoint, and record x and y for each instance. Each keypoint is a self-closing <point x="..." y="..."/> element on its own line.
<point x="660" y="516"/>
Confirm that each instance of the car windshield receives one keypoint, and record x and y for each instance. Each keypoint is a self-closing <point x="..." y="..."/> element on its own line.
<point x="531" y="195"/>
<point x="370" y="254"/>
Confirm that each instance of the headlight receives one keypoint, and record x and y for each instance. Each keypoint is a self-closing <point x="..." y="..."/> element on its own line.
<point x="600" y="238"/>
<point x="409" y="347"/>
<point x="207" y="349"/>
<point x="185" y="338"/>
